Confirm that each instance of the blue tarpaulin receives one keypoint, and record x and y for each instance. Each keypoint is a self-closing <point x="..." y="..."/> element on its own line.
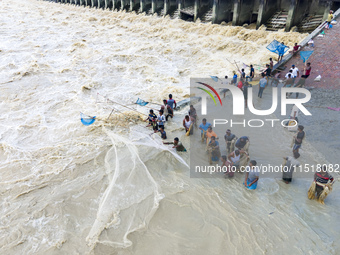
<point x="277" y="48"/>
<point x="305" y="55"/>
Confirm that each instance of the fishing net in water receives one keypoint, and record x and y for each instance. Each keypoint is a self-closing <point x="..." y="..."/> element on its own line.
<point x="141" y="102"/>
<point x="277" y="48"/>
<point x="132" y="195"/>
<point x="87" y="120"/>
<point x="305" y="55"/>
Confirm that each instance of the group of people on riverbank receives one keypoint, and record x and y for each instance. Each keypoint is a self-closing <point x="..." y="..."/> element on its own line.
<point x="238" y="151"/>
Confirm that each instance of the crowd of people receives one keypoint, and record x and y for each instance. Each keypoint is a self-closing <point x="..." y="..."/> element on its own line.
<point x="237" y="148"/>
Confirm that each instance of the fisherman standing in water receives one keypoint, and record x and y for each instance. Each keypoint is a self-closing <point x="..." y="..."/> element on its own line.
<point x="230" y="140"/>
<point x="298" y="138"/>
<point x="322" y="185"/>
<point x="252" y="175"/>
<point x="193" y="115"/>
<point x="204" y="127"/>
<point x="177" y="144"/>
<point x="235" y="157"/>
<point x="214" y="150"/>
<point x="228" y="167"/>
<point x="289" y="166"/>
<point x="151" y="117"/>
<point x="210" y="133"/>
<point x="242" y="143"/>
<point x="171" y="102"/>
<point x="170" y="113"/>
<point x="187" y="124"/>
<point x="163" y="133"/>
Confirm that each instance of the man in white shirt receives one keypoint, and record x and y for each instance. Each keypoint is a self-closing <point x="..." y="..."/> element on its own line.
<point x="295" y="72"/>
<point x="291" y="74"/>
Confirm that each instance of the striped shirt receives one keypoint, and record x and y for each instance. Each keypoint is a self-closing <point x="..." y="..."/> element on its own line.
<point x="318" y="177"/>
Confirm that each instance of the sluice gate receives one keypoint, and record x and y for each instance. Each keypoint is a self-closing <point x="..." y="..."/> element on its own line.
<point x="302" y="15"/>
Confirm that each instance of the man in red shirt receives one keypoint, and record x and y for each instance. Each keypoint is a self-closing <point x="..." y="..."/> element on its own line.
<point x="296" y="48"/>
<point x="308" y="69"/>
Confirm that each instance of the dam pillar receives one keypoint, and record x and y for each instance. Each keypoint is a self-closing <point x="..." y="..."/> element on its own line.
<point x="327" y="9"/>
<point x="153" y="6"/>
<point x="266" y="9"/>
<point x="142" y="6"/>
<point x="123" y="4"/>
<point x="101" y="4"/>
<point x="237" y="8"/>
<point x="108" y="4"/>
<point x="197" y="6"/>
<point x="166" y="6"/>
<point x="291" y="15"/>
<point x="134" y="5"/>
<point x="222" y="11"/>
<point x="215" y="12"/>
<point x="243" y="11"/>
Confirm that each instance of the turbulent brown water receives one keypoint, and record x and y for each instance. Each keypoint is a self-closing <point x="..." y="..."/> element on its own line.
<point x="112" y="188"/>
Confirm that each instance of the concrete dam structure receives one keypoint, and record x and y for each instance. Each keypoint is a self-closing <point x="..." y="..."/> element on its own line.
<point x="276" y="15"/>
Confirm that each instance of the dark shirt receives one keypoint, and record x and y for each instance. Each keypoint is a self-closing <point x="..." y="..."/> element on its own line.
<point x="252" y="72"/>
<point x="268" y="71"/>
<point x="192" y="113"/>
<point x="229" y="137"/>
<point x="241" y="144"/>
<point x="152" y="116"/>
<point x="163" y="135"/>
<point x="300" y="135"/>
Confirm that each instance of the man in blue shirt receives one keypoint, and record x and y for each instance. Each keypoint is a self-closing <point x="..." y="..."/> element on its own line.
<point x="241" y="143"/>
<point x="171" y="102"/>
<point x="234" y="81"/>
<point x="262" y="85"/>
<point x="204" y="127"/>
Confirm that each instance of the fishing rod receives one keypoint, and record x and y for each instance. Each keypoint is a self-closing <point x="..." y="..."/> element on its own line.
<point x="234" y="64"/>
<point x="145" y="106"/>
<point x="108" y="99"/>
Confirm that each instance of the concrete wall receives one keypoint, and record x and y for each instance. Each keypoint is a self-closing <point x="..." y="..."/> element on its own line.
<point x="243" y="12"/>
<point x="266" y="9"/>
<point x="108" y="4"/>
<point x="170" y="6"/>
<point x="223" y="11"/>
<point x="145" y="5"/>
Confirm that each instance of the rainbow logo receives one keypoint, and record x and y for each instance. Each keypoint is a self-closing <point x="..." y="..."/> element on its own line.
<point x="209" y="93"/>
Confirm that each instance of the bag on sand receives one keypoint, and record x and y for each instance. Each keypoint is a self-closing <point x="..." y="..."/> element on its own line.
<point x="318" y="78"/>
